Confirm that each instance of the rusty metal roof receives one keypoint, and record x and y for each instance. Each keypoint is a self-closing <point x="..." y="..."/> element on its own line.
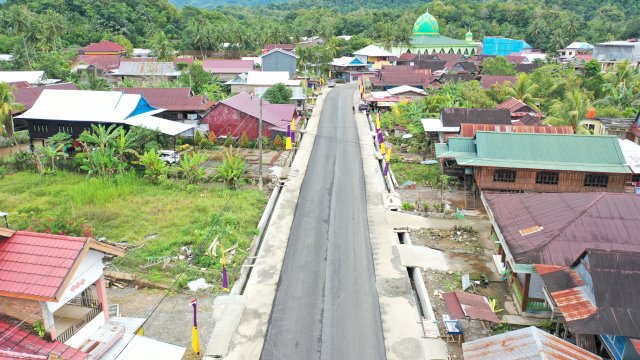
<point x="529" y="343"/>
<point x="461" y="305"/>
<point x="457" y="116"/>
<point x="469" y="130"/>
<point x="572" y="223"/>
<point x="599" y="293"/>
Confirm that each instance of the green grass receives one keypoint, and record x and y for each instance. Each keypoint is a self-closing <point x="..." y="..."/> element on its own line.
<point x="418" y="173"/>
<point x="130" y="209"/>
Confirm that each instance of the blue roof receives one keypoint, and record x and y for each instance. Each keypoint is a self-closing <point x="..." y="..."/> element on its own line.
<point x="502" y="46"/>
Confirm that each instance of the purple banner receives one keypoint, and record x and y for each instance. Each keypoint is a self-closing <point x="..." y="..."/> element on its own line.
<point x="380" y="137"/>
<point x="288" y="130"/>
<point x="195" y="311"/>
<point x="386" y="169"/>
<point x="225" y="281"/>
<point x="293" y="137"/>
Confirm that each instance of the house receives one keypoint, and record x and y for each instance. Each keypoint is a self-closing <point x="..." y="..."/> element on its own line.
<point x="554" y="230"/>
<point x="596" y="298"/>
<point x="488" y="81"/>
<point x="394" y="76"/>
<point x="528" y="343"/>
<point x="29" y="77"/>
<point x="631" y="153"/>
<point x="104" y="47"/>
<point x="280" y="60"/>
<point x="406" y="59"/>
<point x="257" y="61"/>
<point x="348" y="68"/>
<point x="439" y="130"/>
<point x="518" y="109"/>
<point x="179" y="104"/>
<point x="74" y="111"/>
<point x="149" y="71"/>
<point x="537" y="162"/>
<point x="501" y="46"/>
<point x="386" y="99"/>
<point x="581" y="51"/>
<point x="58" y="281"/>
<point x="526" y="68"/>
<point x="470" y="130"/>
<point x="183" y="62"/>
<point x="240" y="114"/>
<point x="298" y="96"/>
<point x="226" y="70"/>
<point x="142" y="53"/>
<point x="311" y="41"/>
<point x="623" y="128"/>
<point x="285" y="47"/>
<point x="252" y="80"/>
<point x="373" y="54"/>
<point x="27" y="96"/>
<point x="613" y="52"/>
<point x="98" y="64"/>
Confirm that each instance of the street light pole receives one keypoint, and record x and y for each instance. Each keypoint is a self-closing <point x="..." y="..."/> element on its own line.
<point x="260" y="147"/>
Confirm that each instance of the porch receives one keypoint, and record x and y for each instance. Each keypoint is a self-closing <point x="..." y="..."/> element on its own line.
<point x="76" y="313"/>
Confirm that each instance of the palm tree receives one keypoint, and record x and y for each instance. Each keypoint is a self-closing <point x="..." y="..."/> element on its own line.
<point x="162" y="47"/>
<point x="94" y="82"/>
<point x="621" y="72"/>
<point x="8" y="106"/>
<point x="525" y="90"/>
<point x="570" y="111"/>
<point x="19" y="18"/>
<point x="620" y="96"/>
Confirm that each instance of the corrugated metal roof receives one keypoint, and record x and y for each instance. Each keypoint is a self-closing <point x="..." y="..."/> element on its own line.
<point x="469" y="130"/>
<point x="28" y="96"/>
<point x="100" y="62"/>
<point x="457" y="116"/>
<point x="461" y="305"/>
<point x="631" y="153"/>
<point x="550" y="151"/>
<point x="373" y="50"/>
<point x="171" y="99"/>
<point x="487" y="81"/>
<point x="228" y="66"/>
<point x="512" y="104"/>
<point x="22" y="344"/>
<point x="572" y="223"/>
<point x="278" y="115"/>
<point x="146" y="68"/>
<point x="529" y="343"/>
<point x="31" y="77"/>
<point x="104" y="46"/>
<point x="609" y="304"/>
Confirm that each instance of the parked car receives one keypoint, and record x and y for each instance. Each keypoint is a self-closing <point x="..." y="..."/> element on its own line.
<point x="331" y="83"/>
<point x="170" y="157"/>
<point x="341" y="81"/>
<point x="363" y="107"/>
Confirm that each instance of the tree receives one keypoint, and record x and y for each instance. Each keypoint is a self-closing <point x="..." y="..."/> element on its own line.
<point x="100" y="136"/>
<point x="124" y="42"/>
<point x="244" y="140"/>
<point x="8" y="106"/>
<point x="51" y="152"/>
<point x="232" y="168"/>
<point x="191" y="167"/>
<point x="162" y="47"/>
<point x="497" y="66"/>
<point x="525" y="90"/>
<point x="196" y="77"/>
<point x="154" y="166"/>
<point x="278" y="94"/>
<point x="570" y="111"/>
<point x="91" y="81"/>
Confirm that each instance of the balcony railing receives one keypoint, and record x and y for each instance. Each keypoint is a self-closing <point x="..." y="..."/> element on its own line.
<point x="73" y="329"/>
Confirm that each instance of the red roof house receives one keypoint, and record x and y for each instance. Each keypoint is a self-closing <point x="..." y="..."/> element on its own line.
<point x="269" y="47"/>
<point x="104" y="47"/>
<point x="178" y="102"/>
<point x="98" y="63"/>
<point x="518" y="109"/>
<point x="239" y="114"/>
<point x="228" y="69"/>
<point x="487" y="81"/>
<point x="16" y="343"/>
<point x="56" y="279"/>
<point x="27" y="96"/>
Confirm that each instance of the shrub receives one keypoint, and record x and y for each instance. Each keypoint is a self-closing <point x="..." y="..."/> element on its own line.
<point x="229" y="141"/>
<point x="198" y="138"/>
<point x="407" y="206"/>
<point x="277" y="142"/>
<point x="23" y="160"/>
<point x="60" y="224"/>
<point x="212" y="137"/>
<point x="244" y="140"/>
<point x="231" y="169"/>
<point x="191" y="167"/>
<point x="3" y="171"/>
<point x="154" y="167"/>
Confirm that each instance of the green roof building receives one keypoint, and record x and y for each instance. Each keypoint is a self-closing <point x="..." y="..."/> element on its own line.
<point x="426" y="39"/>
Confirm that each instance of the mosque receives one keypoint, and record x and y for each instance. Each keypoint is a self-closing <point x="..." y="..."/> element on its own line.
<point x="426" y="39"/>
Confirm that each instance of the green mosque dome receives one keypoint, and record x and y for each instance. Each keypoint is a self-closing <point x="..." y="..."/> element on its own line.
<point x="426" y="25"/>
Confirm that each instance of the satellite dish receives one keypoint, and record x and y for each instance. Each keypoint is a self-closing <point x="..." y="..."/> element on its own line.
<point x="407" y="136"/>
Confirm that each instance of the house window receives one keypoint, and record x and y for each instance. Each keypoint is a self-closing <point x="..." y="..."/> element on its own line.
<point x="504" y="175"/>
<point x="635" y="178"/>
<point x="547" y="178"/>
<point x="596" y="180"/>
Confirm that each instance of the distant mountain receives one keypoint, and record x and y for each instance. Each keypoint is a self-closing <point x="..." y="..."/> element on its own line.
<point x="339" y="5"/>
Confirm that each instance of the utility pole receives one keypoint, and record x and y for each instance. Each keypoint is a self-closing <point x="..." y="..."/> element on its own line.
<point x="260" y="147"/>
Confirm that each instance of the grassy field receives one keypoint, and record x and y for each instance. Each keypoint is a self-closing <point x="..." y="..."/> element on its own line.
<point x="418" y="173"/>
<point x="155" y="220"/>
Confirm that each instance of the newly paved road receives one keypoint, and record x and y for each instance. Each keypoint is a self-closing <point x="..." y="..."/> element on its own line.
<point x="326" y="305"/>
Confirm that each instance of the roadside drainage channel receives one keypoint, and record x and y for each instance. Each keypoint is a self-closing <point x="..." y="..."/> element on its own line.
<point x="425" y="311"/>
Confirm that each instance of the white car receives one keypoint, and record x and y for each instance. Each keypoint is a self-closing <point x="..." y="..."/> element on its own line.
<point x="331" y="83"/>
<point x="170" y="156"/>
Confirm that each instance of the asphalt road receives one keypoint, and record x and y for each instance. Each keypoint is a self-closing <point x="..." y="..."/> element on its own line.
<point x="326" y="305"/>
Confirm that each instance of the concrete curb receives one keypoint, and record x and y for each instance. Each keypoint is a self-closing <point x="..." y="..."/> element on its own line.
<point x="248" y="337"/>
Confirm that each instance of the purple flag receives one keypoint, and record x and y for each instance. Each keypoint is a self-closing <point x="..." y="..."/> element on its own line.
<point x="195" y="307"/>
<point x="225" y="281"/>
<point x="380" y="137"/>
<point x="386" y="168"/>
<point x="293" y="137"/>
<point x="288" y="130"/>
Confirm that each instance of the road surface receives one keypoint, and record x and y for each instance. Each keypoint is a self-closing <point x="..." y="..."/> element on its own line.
<point x="326" y="305"/>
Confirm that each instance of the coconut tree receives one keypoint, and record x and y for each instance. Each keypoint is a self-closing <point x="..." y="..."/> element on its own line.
<point x="8" y="106"/>
<point x="525" y="90"/>
<point x="570" y="111"/>
<point x="162" y="47"/>
<point x="620" y="96"/>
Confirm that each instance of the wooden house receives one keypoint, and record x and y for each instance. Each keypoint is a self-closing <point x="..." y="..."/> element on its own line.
<point x="528" y="162"/>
